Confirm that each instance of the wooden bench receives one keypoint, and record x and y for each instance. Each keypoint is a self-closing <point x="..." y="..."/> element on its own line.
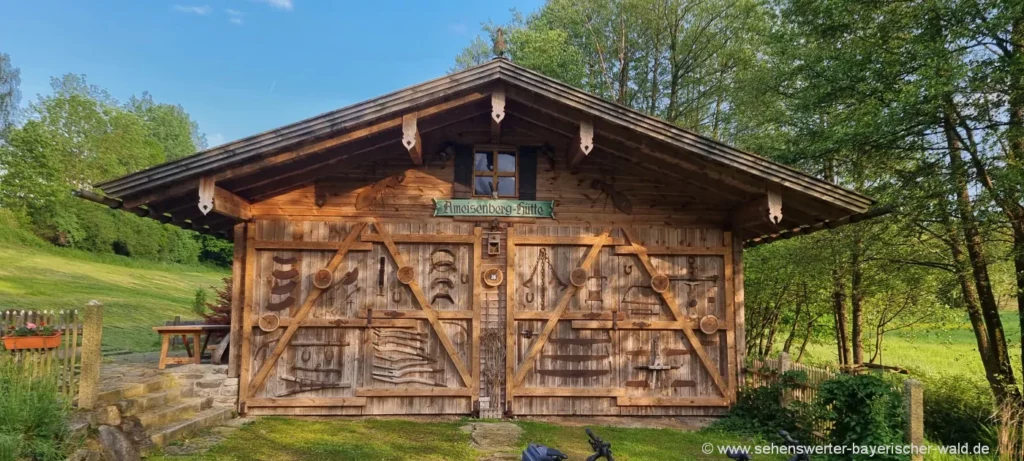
<point x="196" y="332"/>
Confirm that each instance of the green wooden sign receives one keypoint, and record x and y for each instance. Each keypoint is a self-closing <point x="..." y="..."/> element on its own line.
<point x="499" y="208"/>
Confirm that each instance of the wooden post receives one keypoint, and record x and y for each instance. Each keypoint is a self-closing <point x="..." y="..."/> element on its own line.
<point x="785" y="364"/>
<point x="92" y="337"/>
<point x="237" y="282"/>
<point x="913" y="406"/>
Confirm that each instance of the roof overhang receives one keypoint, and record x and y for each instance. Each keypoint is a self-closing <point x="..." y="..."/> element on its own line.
<point x="298" y="151"/>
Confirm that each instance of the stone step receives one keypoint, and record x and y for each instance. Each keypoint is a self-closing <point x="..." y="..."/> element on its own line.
<point x="136" y="389"/>
<point x="175" y="412"/>
<point x="135" y="405"/>
<point x="163" y="435"/>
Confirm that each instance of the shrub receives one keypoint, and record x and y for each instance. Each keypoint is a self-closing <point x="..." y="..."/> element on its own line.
<point x="199" y="302"/>
<point x="220" y="310"/>
<point x="764" y="411"/>
<point x="958" y="410"/>
<point x="864" y="409"/>
<point x="33" y="416"/>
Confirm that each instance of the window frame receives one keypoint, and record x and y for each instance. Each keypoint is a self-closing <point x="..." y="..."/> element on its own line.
<point x="494" y="175"/>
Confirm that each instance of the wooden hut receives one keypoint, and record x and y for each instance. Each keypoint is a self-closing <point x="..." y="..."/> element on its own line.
<point x="489" y="241"/>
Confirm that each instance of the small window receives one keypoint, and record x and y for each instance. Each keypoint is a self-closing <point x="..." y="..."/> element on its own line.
<point x="495" y="170"/>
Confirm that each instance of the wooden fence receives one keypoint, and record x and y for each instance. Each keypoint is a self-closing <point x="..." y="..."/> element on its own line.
<point x="63" y="361"/>
<point x="766" y="372"/>
<point x="769" y="371"/>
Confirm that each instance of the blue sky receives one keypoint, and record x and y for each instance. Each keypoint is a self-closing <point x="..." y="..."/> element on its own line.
<point x="240" y="67"/>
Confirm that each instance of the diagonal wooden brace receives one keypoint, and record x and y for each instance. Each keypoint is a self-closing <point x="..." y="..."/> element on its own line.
<point x="307" y="306"/>
<point x="670" y="300"/>
<point x="563" y="303"/>
<point x="428" y="311"/>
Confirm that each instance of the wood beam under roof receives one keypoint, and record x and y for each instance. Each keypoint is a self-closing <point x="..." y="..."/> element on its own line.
<point x="765" y="210"/>
<point x="646" y="146"/>
<point x="548" y="124"/>
<point x="582" y="144"/>
<point x="392" y="123"/>
<point x="411" y="139"/>
<point x="309" y="169"/>
<point x="497" y="112"/>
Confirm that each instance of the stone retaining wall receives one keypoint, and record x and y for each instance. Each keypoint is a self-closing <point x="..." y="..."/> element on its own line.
<point x="206" y="381"/>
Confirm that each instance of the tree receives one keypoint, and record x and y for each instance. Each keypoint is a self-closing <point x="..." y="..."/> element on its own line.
<point x="10" y="96"/>
<point x="169" y="125"/>
<point x="77" y="136"/>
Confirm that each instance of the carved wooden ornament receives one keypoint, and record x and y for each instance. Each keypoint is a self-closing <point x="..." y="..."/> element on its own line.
<point x="409" y="132"/>
<point x="774" y="206"/>
<point x="586" y="137"/>
<point x="578" y="276"/>
<point x="709" y="324"/>
<point x="498" y="105"/>
<point x="269" y="322"/>
<point x="659" y="283"/>
<point x="493" y="277"/>
<point x="323" y="279"/>
<point x="206" y="188"/>
<point x="406" y="274"/>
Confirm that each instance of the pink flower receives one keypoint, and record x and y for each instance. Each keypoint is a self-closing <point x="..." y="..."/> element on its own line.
<point x="30" y="326"/>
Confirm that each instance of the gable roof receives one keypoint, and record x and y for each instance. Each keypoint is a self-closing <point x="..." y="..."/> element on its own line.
<point x="671" y="142"/>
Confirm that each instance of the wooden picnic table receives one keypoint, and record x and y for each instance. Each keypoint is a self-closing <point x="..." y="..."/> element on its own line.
<point x="196" y="332"/>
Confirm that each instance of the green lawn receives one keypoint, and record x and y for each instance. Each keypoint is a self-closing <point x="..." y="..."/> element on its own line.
<point x="136" y="294"/>
<point x="933" y="349"/>
<point x="391" y="439"/>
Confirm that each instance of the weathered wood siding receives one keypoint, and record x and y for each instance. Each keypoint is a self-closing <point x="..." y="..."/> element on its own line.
<point x="344" y="356"/>
<point x="656" y="201"/>
<point x="566" y="377"/>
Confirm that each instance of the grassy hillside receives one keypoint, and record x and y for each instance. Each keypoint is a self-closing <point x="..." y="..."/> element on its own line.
<point x="137" y="295"/>
<point x="933" y="349"/>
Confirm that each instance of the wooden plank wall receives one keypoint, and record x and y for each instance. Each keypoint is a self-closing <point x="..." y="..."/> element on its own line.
<point x="665" y="213"/>
<point x="346" y="357"/>
<point x="618" y="283"/>
<point x="656" y="201"/>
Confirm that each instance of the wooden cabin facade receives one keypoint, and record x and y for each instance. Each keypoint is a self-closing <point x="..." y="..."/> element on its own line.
<point x="490" y="241"/>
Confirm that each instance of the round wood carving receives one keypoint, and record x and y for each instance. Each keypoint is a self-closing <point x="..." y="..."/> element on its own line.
<point x="406" y="274"/>
<point x="659" y="283"/>
<point x="578" y="276"/>
<point x="709" y="324"/>
<point x="269" y="322"/>
<point x="323" y="279"/>
<point x="493" y="277"/>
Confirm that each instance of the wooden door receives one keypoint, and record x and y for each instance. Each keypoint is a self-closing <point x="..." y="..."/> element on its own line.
<point x="360" y="318"/>
<point x="590" y="331"/>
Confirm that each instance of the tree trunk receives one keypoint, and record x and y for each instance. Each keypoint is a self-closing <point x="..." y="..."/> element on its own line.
<point x="796" y="321"/>
<point x="807" y="338"/>
<point x="770" y="342"/>
<point x="839" y="309"/>
<point x="857" y="302"/>
<point x="961" y="269"/>
<point x="1004" y="383"/>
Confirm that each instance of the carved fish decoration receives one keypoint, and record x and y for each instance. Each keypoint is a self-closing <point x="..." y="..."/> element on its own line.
<point x="366" y="198"/>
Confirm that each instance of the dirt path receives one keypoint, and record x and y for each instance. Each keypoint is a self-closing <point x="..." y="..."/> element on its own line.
<point x="498" y="441"/>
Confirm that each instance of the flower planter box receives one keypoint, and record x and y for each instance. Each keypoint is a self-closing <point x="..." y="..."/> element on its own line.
<point x="13" y="343"/>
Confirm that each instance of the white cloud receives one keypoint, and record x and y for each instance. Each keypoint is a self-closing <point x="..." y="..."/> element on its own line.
<point x="215" y="139"/>
<point x="286" y="5"/>
<point x="235" y="16"/>
<point x="200" y="10"/>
